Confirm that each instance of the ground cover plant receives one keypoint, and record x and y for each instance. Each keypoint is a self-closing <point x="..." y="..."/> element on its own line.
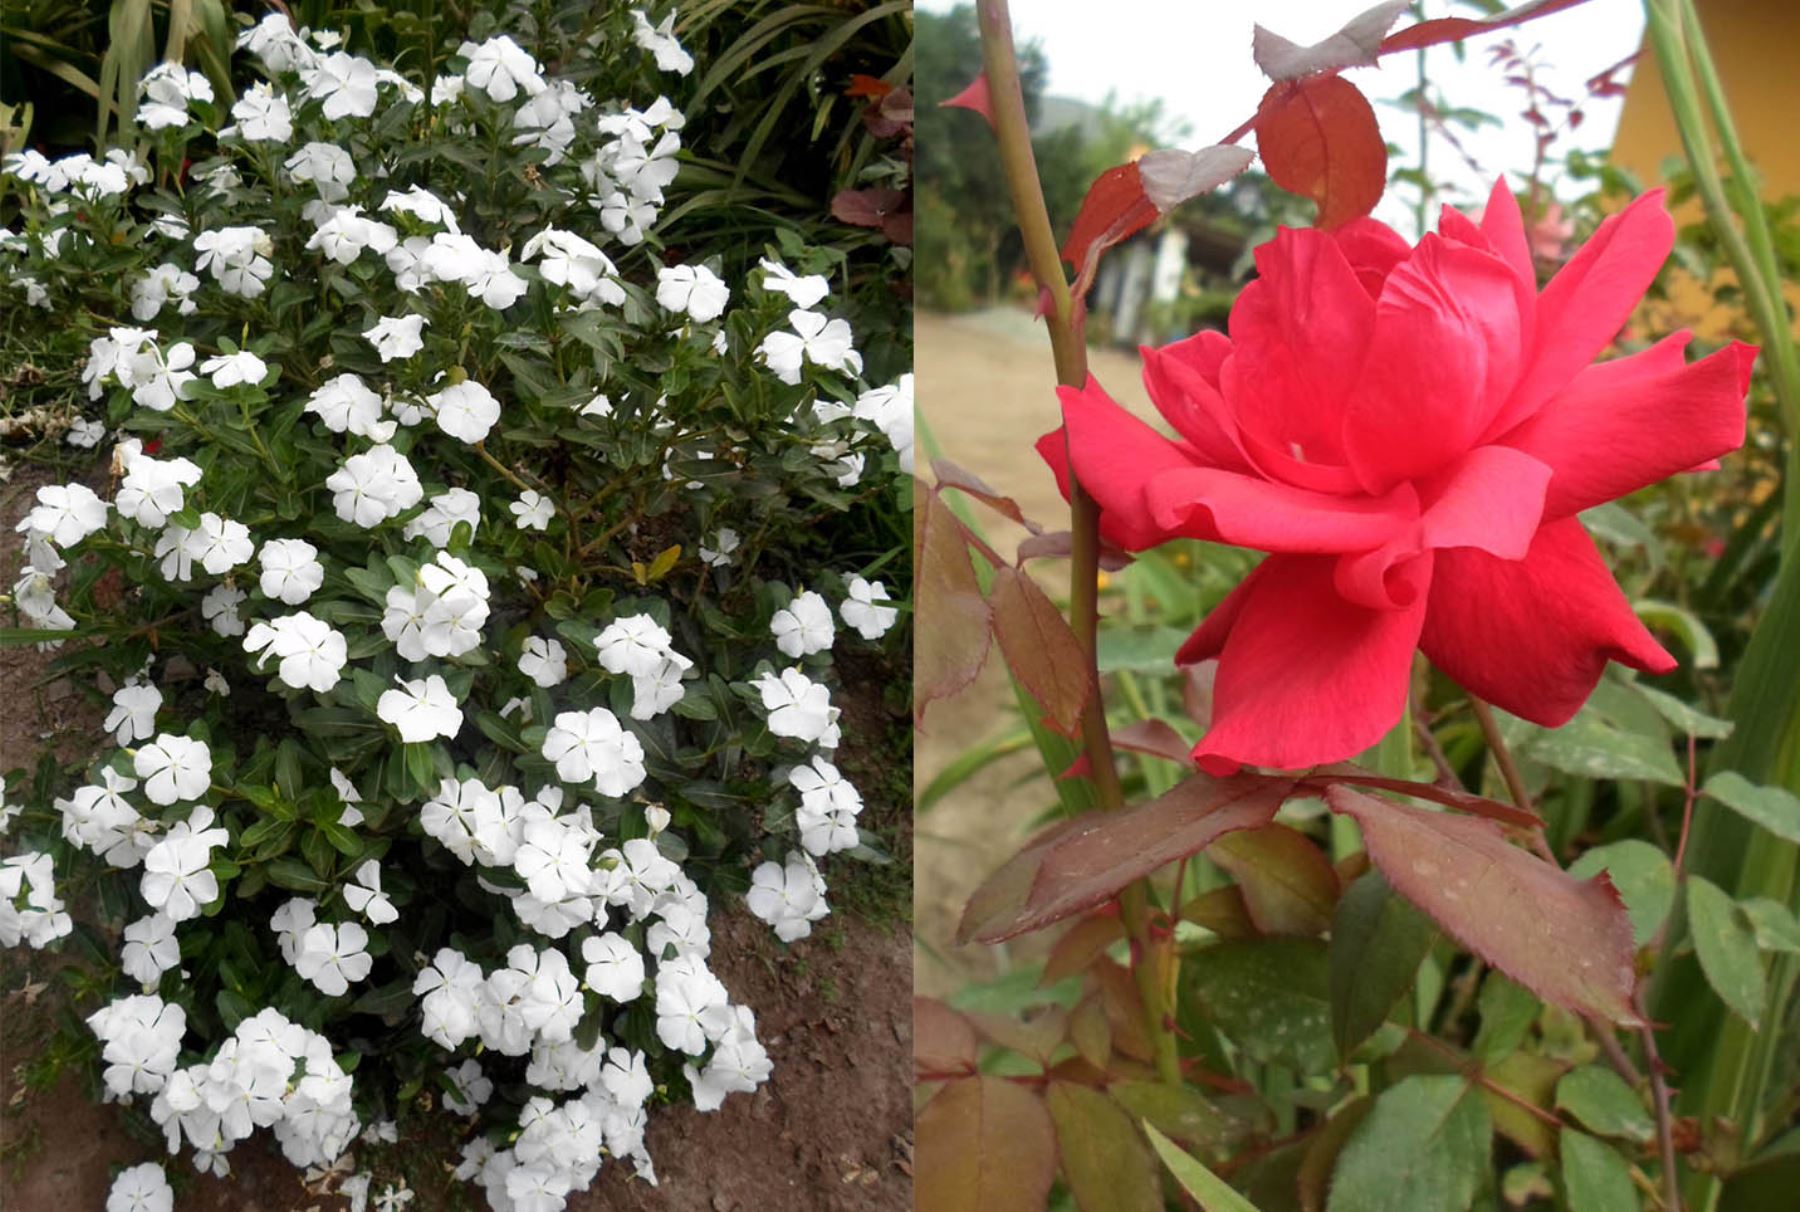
<point x="1419" y="733"/>
<point x="464" y="585"/>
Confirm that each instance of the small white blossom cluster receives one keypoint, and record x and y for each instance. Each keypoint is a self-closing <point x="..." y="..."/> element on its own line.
<point x="270" y="1073"/>
<point x="389" y="598"/>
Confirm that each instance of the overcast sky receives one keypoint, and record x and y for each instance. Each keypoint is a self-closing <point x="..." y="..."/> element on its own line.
<point x="1195" y="56"/>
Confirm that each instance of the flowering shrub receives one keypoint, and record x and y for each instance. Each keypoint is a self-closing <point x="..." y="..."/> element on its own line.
<point x="463" y="583"/>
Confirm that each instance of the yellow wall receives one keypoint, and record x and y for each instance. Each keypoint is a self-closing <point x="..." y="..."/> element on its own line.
<point x="1755" y="45"/>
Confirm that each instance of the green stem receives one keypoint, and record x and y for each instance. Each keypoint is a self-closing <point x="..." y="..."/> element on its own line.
<point x="1012" y="132"/>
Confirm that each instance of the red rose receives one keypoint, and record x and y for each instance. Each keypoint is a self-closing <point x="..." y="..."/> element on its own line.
<point x="1410" y="433"/>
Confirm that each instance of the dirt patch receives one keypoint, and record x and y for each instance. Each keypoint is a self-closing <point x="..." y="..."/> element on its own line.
<point x="986" y="388"/>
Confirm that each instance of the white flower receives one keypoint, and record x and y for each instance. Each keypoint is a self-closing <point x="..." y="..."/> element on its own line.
<point x="219" y="544"/>
<point x="532" y="511"/>
<point x="133" y="716"/>
<point x="220" y="605"/>
<point x="141" y="1043"/>
<point x="803" y="291"/>
<point x="544" y="661"/>
<point x="65" y="514"/>
<point x="890" y="409"/>
<point x="291" y="572"/>
<point x="334" y="957"/>
<point x="174" y="769"/>
<point x="178" y="881"/>
<point x="374" y="486"/>
<point x="150" y="949"/>
<point x="553" y="859"/>
<point x="85" y="434"/>
<point x="862" y="609"/>
<point x="345" y="83"/>
<point x="718" y="555"/>
<point x="465" y="410"/>
<point x="615" y="969"/>
<point x="442" y="515"/>
<point x="592" y="744"/>
<point x="599" y="406"/>
<point x="451" y="990"/>
<point x="159" y="379"/>
<point x="329" y="168"/>
<point x="141" y="1188"/>
<point x="312" y="652"/>
<point x="660" y="41"/>
<point x="166" y="90"/>
<point x="422" y="710"/>
<point x="295" y="917"/>
<point x="423" y="205"/>
<point x="501" y="68"/>
<point x="804" y="626"/>
<point x="397" y="336"/>
<point x="691" y="1008"/>
<point x="346" y="404"/>
<point x="569" y="260"/>
<point x="790" y="897"/>
<point x="635" y="645"/>
<point x="655" y="692"/>
<point x="167" y="281"/>
<point x="237" y="258"/>
<point x="815" y="339"/>
<point x="364" y="895"/>
<point x="152" y="489"/>
<point x="798" y="707"/>
<point x="229" y="370"/>
<point x="693" y="289"/>
<point x="261" y="115"/>
<point x="829" y="806"/>
<point x="344" y="235"/>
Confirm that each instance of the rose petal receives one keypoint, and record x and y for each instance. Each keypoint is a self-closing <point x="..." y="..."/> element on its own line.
<point x="1114" y="455"/>
<point x="1224" y="507"/>
<point x="1634" y="421"/>
<point x="1533" y="636"/>
<point x="1304" y="676"/>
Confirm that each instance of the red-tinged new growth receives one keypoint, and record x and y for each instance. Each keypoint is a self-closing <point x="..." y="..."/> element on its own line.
<point x="975" y="97"/>
<point x="1410" y="433"/>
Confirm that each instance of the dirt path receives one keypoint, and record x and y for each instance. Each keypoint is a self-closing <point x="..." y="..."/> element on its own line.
<point x="986" y="390"/>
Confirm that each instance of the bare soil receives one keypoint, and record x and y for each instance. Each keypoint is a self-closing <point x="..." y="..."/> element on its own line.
<point x="986" y="388"/>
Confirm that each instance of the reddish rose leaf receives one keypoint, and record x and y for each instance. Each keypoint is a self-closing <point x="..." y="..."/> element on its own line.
<point x="1357" y="44"/>
<point x="1567" y="940"/>
<point x="866" y="207"/>
<point x="950" y="475"/>
<point x="1289" y="886"/>
<point x="1319" y="139"/>
<point x="1455" y="29"/>
<point x="898" y="228"/>
<point x="943" y="1040"/>
<point x="976" y="97"/>
<point x="984" y="1144"/>
<point x="1060" y="544"/>
<point x="1125" y="200"/>
<point x="1040" y="649"/>
<point x="1494" y="810"/>
<point x="1081" y="945"/>
<point x="1037" y="1037"/>
<point x="1156" y="738"/>
<point x="948" y="654"/>
<point x="1085" y="861"/>
<point x="1104" y="1158"/>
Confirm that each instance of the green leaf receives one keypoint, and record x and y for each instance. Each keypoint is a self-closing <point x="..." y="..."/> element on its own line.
<point x="1181" y="1111"/>
<point x="1423" y="1148"/>
<point x="343" y="840"/>
<point x="1271" y="997"/>
<point x="1643" y="877"/>
<point x="1211" y="1192"/>
<point x="1595" y="1177"/>
<point x="1684" y="718"/>
<point x="1103" y="1159"/>
<point x="1726" y="944"/>
<point x="1507" y="1012"/>
<point x="1594" y="747"/>
<point x="1378" y="941"/>
<point x="1602" y="1102"/>
<point x="1774" y="923"/>
<point x="1774" y="808"/>
<point x="295" y="876"/>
